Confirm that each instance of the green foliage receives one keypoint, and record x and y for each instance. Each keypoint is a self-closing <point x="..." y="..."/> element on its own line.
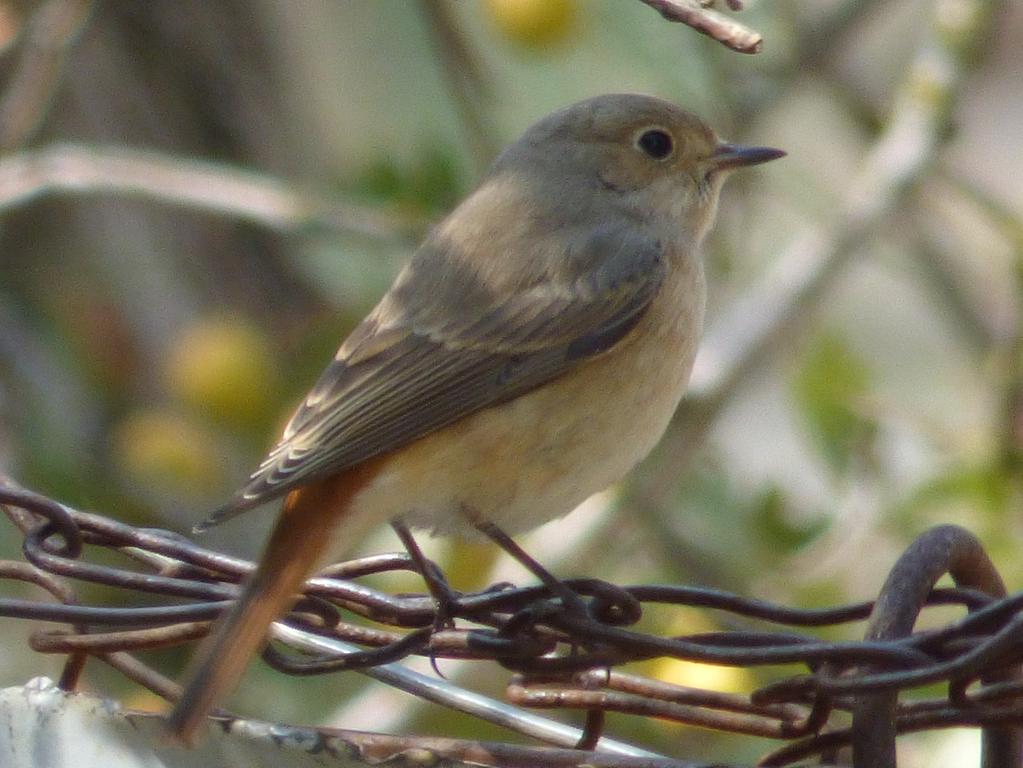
<point x="729" y="533"/>
<point x="431" y="184"/>
<point x="984" y="488"/>
<point x="775" y="528"/>
<point x="830" y="387"/>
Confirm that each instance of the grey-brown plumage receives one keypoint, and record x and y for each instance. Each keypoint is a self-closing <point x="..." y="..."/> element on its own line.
<point x="531" y="353"/>
<point x="446" y="342"/>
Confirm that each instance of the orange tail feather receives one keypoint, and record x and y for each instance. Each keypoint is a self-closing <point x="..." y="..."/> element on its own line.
<point x="298" y="541"/>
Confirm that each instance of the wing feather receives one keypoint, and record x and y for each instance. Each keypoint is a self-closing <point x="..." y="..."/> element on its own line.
<point x="437" y="366"/>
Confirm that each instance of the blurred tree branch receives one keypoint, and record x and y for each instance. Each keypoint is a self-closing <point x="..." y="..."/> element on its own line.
<point x="469" y="86"/>
<point x="262" y="199"/>
<point x="902" y="155"/>
<point x="775" y="309"/>
<point x="937" y="260"/>
<point x="1007" y="341"/>
<point x="465" y="77"/>
<point x="814" y="48"/>
<point x="47" y="38"/>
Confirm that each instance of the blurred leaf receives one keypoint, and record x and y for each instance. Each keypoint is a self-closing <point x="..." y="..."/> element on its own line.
<point x="710" y="513"/>
<point x="434" y="182"/>
<point x="729" y="532"/>
<point x="829" y="388"/>
<point x="778" y="530"/>
<point x="430" y="185"/>
<point x="382" y="180"/>
<point x="985" y="486"/>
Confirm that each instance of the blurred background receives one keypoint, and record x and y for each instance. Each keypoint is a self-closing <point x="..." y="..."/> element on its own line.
<point x="198" y="201"/>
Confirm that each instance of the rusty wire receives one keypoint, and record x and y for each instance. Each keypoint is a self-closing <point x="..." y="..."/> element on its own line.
<point x="848" y="695"/>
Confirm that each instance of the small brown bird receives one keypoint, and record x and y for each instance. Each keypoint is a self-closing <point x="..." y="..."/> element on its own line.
<point x="529" y="355"/>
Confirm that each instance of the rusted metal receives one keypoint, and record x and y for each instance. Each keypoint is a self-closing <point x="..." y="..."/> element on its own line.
<point x="564" y="659"/>
<point x="944" y="550"/>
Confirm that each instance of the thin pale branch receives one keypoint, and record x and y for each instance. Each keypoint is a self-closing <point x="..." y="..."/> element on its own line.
<point x="465" y="77"/>
<point x="705" y="20"/>
<point x="749" y="332"/>
<point x="71" y="169"/>
<point x="902" y="156"/>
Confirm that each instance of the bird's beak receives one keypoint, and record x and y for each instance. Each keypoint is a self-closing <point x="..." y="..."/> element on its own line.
<point x="730" y="156"/>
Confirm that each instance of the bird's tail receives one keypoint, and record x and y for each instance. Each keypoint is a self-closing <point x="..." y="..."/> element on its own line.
<point x="297" y="543"/>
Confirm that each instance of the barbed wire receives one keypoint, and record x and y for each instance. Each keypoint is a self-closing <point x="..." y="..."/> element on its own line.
<point x="560" y="659"/>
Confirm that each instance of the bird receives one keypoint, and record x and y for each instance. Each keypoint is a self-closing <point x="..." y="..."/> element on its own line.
<point x="531" y="352"/>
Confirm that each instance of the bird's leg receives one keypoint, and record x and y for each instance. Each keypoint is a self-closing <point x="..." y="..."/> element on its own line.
<point x="569" y="597"/>
<point x="445" y="597"/>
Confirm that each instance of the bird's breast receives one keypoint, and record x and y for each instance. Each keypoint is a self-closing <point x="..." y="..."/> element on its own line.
<point x="538" y="456"/>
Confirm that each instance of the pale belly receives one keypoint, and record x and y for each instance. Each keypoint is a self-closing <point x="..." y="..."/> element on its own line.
<point x="539" y="456"/>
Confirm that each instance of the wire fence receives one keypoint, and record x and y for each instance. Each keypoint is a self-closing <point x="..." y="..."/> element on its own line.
<point x="557" y="659"/>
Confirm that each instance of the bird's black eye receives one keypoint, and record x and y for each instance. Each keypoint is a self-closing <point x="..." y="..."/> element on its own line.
<point x="656" y="142"/>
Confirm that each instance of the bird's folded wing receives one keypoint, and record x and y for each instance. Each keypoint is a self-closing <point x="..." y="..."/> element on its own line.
<point x="395" y="382"/>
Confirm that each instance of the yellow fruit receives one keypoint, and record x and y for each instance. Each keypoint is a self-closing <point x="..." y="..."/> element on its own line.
<point x="534" y="23"/>
<point x="694" y="674"/>
<point x="224" y="368"/>
<point x="164" y="451"/>
<point x="706" y="676"/>
<point x="468" y="564"/>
